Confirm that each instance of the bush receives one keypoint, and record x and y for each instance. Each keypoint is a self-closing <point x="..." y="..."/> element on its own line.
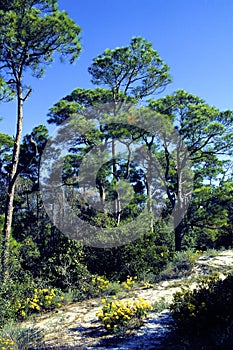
<point x="41" y="300"/>
<point x="100" y="284"/>
<point x="9" y="293"/>
<point x="7" y="344"/>
<point x="181" y="265"/>
<point x="128" y="284"/>
<point x="206" y="310"/>
<point x="138" y="258"/>
<point x="18" y="300"/>
<point x="103" y="286"/>
<point x="119" y="316"/>
<point x="16" y="337"/>
<point x="93" y="286"/>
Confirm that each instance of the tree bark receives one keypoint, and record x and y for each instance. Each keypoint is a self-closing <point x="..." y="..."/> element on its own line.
<point x="114" y="172"/>
<point x="180" y="208"/>
<point x="178" y="237"/>
<point x="102" y="196"/>
<point x="11" y="187"/>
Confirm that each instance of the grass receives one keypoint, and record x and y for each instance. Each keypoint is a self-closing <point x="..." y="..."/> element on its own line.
<point x="161" y="305"/>
<point x="180" y="266"/>
<point x="183" y="263"/>
<point x="23" y="338"/>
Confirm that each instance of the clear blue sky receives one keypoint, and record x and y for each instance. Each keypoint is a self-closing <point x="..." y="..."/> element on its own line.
<point x="194" y="37"/>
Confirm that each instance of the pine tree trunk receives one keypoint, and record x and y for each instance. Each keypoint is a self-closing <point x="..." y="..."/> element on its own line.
<point x="11" y="187"/>
<point x="178" y="237"/>
<point x="179" y="211"/>
<point x="114" y="172"/>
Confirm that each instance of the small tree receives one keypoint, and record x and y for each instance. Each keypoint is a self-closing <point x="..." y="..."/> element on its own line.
<point x="31" y="32"/>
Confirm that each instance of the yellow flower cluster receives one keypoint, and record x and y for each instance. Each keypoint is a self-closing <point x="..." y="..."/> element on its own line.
<point x="146" y="284"/>
<point x="42" y="299"/>
<point x="118" y="315"/>
<point x="100" y="284"/>
<point x="6" y="344"/>
<point x="199" y="252"/>
<point x="128" y="284"/>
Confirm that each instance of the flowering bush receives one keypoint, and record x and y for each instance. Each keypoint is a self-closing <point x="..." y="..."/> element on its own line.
<point x="42" y="300"/>
<point x="100" y="284"/>
<point x="206" y="308"/>
<point x="128" y="284"/>
<point x="6" y="344"/>
<point x="118" y="315"/>
<point x="146" y="284"/>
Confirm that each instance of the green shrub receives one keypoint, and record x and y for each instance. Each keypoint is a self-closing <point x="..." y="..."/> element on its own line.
<point x="181" y="265"/>
<point x="100" y="284"/>
<point x="19" y="338"/>
<point x="9" y="293"/>
<point x="40" y="301"/>
<point x="129" y="283"/>
<point x="93" y="286"/>
<point x="18" y="300"/>
<point x="114" y="288"/>
<point x="120" y="316"/>
<point x="138" y="258"/>
<point x="206" y="310"/>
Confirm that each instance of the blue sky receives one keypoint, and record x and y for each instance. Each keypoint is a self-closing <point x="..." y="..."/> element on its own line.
<point x="194" y="37"/>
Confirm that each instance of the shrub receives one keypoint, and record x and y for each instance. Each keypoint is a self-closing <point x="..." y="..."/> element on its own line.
<point x="128" y="284"/>
<point x="9" y="293"/>
<point x="41" y="300"/>
<point x="114" y="288"/>
<point x="206" y="310"/>
<point x="7" y="344"/>
<point x="142" y="256"/>
<point x="20" y="338"/>
<point x="100" y="284"/>
<point x="181" y="265"/>
<point x="119" y="316"/>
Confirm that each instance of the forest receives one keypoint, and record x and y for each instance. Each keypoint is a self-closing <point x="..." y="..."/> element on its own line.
<point x="129" y="181"/>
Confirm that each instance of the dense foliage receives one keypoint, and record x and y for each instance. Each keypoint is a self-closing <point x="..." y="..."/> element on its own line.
<point x="205" y="315"/>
